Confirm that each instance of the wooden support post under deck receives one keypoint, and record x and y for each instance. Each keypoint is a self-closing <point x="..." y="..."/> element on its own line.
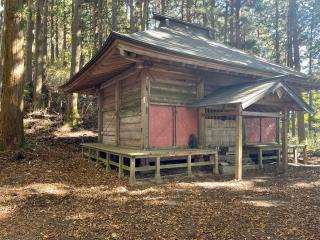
<point x="284" y="140"/>
<point x="238" y="155"/>
<point x="108" y="162"/>
<point x="97" y="157"/>
<point x="305" y="157"/>
<point x="260" y="157"/>
<point x="295" y="155"/>
<point x="189" y="165"/>
<point x="120" y="167"/>
<point x="132" y="178"/>
<point x="157" y="174"/>
<point x="279" y="157"/>
<point x="216" y="163"/>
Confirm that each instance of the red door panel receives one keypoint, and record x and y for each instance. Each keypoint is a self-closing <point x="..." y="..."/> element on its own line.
<point x="186" y="124"/>
<point x="268" y="130"/>
<point x="252" y="126"/>
<point x="161" y="127"/>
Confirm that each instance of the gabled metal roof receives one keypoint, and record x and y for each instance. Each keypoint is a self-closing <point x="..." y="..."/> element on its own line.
<point x="247" y="94"/>
<point x="186" y="42"/>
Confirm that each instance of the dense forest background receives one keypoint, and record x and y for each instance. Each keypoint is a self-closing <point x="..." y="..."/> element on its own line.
<point x="59" y="36"/>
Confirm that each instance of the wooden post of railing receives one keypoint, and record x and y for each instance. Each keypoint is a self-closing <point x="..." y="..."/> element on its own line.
<point x="157" y="174"/>
<point x="132" y="178"/>
<point x="120" y="166"/>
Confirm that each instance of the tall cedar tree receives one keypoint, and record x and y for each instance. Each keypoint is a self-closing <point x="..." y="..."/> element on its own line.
<point x="37" y="86"/>
<point x="72" y="108"/>
<point x="11" y="114"/>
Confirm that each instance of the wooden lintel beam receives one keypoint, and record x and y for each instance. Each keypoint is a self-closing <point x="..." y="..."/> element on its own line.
<point x="261" y="114"/>
<point x="221" y="114"/>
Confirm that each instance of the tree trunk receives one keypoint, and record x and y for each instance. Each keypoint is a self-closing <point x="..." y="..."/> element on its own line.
<point x="1" y="39"/>
<point x="100" y="22"/>
<point x="37" y="88"/>
<point x="94" y="25"/>
<point x="163" y="6"/>
<point x="30" y="39"/>
<point x="52" y="32"/>
<point x="237" y="23"/>
<point x="213" y="18"/>
<point x="72" y="108"/>
<point x="277" y="36"/>
<point x="297" y="66"/>
<point x="64" y="44"/>
<point x="225" y="26"/>
<point x="144" y="19"/>
<point x="132" y="22"/>
<point x="231" y="22"/>
<point x="188" y="10"/>
<point x="115" y="15"/>
<point x="11" y="115"/>
<point x="289" y="36"/>
<point x="45" y="42"/>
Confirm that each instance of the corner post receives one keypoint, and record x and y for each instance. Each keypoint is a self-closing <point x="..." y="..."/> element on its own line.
<point x="284" y="140"/>
<point x="145" y="95"/>
<point x="100" y="116"/>
<point x="117" y="112"/>
<point x="238" y="155"/>
<point x="201" y="113"/>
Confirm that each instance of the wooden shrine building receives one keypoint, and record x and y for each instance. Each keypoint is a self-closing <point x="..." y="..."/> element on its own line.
<point x="162" y="90"/>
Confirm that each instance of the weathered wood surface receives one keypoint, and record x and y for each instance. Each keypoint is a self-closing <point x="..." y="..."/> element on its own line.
<point x="108" y="108"/>
<point x="171" y="88"/>
<point x="93" y="150"/>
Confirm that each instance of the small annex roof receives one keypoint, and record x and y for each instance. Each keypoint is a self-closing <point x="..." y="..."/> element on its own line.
<point x="247" y="94"/>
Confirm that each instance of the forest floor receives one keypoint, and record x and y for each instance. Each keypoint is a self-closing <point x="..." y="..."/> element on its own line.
<point x="49" y="192"/>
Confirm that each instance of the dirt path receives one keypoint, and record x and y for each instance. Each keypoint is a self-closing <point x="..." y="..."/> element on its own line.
<point x="54" y="194"/>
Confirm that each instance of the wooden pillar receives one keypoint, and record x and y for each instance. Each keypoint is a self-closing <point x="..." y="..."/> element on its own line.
<point x="100" y="115"/>
<point x="117" y="112"/>
<point x="201" y="115"/>
<point x="295" y="155"/>
<point x="132" y="178"/>
<point x="108" y="162"/>
<point x="279" y="157"/>
<point x="238" y="141"/>
<point x="120" y="167"/>
<point x="284" y="140"/>
<point x="157" y="173"/>
<point x="97" y="157"/>
<point x="278" y="130"/>
<point x="216" y="163"/>
<point x="189" y="165"/>
<point x="260" y="158"/>
<point x="305" y="157"/>
<point x="145" y="95"/>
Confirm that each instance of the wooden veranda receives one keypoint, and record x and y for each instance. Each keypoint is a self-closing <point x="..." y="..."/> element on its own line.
<point x="124" y="159"/>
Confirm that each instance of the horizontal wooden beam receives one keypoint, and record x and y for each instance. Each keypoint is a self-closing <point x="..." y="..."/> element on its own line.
<point x="220" y="114"/>
<point x="261" y="114"/>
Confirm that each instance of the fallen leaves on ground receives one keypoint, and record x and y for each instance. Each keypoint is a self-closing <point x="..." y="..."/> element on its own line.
<point x="50" y="192"/>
